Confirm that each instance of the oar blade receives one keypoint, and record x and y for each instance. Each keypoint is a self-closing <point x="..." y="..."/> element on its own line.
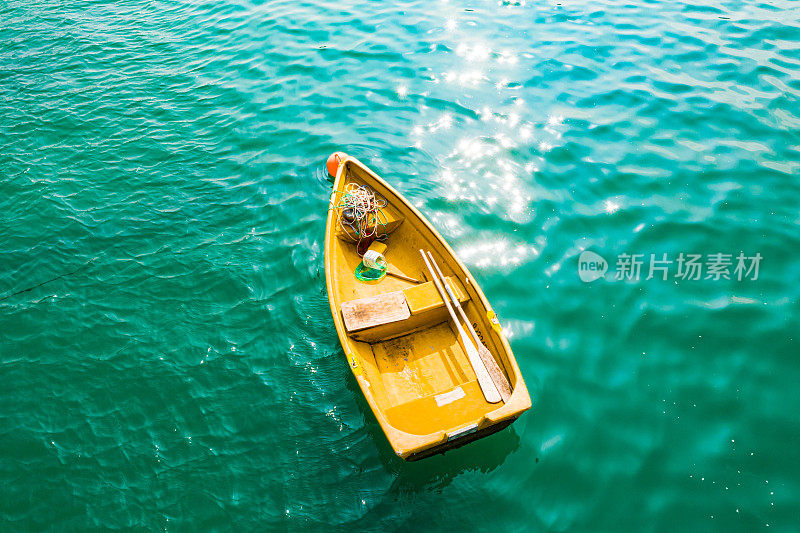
<point x="485" y="380"/>
<point x="498" y="378"/>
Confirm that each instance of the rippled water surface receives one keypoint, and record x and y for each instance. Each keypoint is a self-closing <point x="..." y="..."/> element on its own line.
<point x="167" y="355"/>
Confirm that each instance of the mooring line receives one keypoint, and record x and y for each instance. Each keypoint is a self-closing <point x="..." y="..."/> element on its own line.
<point x="87" y="263"/>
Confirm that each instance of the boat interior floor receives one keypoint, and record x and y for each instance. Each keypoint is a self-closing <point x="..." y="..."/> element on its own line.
<point x="424" y="379"/>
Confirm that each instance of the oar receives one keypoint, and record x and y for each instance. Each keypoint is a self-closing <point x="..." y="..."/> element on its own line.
<point x="484" y="379"/>
<point x="498" y="378"/>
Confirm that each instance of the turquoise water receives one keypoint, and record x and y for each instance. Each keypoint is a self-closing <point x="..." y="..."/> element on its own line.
<point x="167" y="356"/>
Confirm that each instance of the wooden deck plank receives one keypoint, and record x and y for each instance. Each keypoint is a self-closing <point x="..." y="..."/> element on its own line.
<point x="375" y="310"/>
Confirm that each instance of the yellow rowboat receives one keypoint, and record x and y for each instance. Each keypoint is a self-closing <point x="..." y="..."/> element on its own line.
<point x="413" y="355"/>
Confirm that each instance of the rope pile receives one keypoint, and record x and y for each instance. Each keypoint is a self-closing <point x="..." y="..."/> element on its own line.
<point x="360" y="215"/>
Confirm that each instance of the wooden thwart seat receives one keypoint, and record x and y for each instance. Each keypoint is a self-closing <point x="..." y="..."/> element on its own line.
<point x="375" y="310"/>
<point x="392" y="314"/>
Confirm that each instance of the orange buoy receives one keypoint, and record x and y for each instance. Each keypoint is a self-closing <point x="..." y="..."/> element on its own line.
<point x="333" y="162"/>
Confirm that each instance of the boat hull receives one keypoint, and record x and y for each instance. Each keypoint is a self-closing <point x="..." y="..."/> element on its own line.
<point x="412" y="371"/>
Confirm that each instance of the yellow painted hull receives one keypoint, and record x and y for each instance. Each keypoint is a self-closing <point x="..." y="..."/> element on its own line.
<point x="419" y="383"/>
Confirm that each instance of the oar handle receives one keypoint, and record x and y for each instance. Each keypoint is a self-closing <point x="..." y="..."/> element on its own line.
<point x="456" y="303"/>
<point x="448" y="288"/>
<point x="442" y="293"/>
